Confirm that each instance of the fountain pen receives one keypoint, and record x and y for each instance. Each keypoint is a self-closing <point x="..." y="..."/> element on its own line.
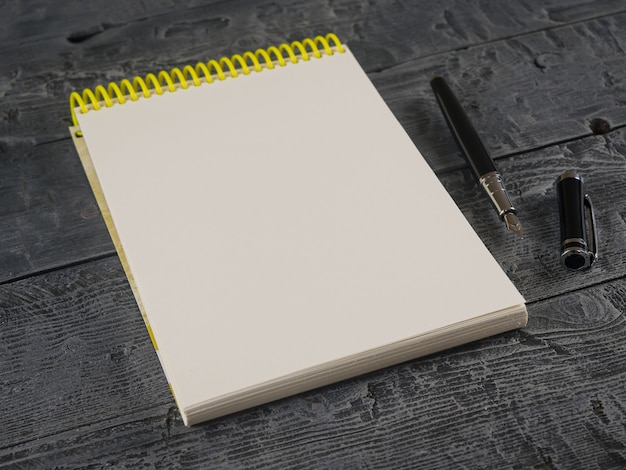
<point x="476" y="155"/>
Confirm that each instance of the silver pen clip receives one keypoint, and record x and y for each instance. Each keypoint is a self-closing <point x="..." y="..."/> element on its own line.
<point x="591" y="231"/>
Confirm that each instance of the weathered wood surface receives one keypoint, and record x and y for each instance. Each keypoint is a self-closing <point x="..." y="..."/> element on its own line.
<point x="514" y="89"/>
<point x="81" y="387"/>
<point x="86" y="390"/>
<point x="533" y="262"/>
<point x="383" y="35"/>
<point x="48" y="215"/>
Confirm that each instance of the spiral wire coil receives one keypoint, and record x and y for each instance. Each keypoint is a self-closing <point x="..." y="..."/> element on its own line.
<point x="208" y="72"/>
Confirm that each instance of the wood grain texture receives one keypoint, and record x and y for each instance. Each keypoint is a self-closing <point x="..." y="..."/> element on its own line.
<point x="61" y="360"/>
<point x="383" y="35"/>
<point x="543" y="81"/>
<point x="48" y="214"/>
<point x="516" y="104"/>
<point x="90" y="304"/>
<point x="432" y="28"/>
<point x="533" y="263"/>
<point x="551" y="394"/>
<point x="521" y="93"/>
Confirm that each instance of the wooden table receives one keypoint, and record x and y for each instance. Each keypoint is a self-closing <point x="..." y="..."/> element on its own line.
<point x="545" y="84"/>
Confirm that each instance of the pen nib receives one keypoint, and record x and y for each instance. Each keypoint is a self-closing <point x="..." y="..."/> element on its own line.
<point x="513" y="224"/>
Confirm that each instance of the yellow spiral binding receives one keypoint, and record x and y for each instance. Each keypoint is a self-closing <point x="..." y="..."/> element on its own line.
<point x="226" y="67"/>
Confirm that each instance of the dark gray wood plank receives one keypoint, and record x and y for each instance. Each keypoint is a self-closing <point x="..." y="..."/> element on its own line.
<point x="523" y="93"/>
<point x="383" y="35"/>
<point x="399" y="29"/>
<point x="533" y="263"/>
<point x="48" y="215"/>
<point x="81" y="387"/>
<point x="49" y="218"/>
<point x="73" y="351"/>
<point x="515" y="104"/>
<point x="79" y="21"/>
<point x="549" y="396"/>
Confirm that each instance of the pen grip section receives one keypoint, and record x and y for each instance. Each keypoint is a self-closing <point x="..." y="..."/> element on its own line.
<point x="462" y="129"/>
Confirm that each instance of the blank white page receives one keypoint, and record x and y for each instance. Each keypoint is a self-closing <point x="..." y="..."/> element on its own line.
<point x="278" y="221"/>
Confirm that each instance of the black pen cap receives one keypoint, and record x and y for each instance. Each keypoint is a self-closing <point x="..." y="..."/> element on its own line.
<point x="578" y="238"/>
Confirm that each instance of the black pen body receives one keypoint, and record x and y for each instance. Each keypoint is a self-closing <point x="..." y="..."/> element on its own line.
<point x="475" y="154"/>
<point x="462" y="129"/>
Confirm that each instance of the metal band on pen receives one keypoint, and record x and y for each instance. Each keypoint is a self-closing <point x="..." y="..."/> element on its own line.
<point x="494" y="187"/>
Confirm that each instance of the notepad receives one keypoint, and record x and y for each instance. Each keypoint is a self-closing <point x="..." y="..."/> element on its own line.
<point x="279" y="228"/>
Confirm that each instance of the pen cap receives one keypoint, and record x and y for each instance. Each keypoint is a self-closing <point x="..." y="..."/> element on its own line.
<point x="577" y="231"/>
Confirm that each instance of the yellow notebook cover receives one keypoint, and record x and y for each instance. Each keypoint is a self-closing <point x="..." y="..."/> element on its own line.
<point x="279" y="228"/>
